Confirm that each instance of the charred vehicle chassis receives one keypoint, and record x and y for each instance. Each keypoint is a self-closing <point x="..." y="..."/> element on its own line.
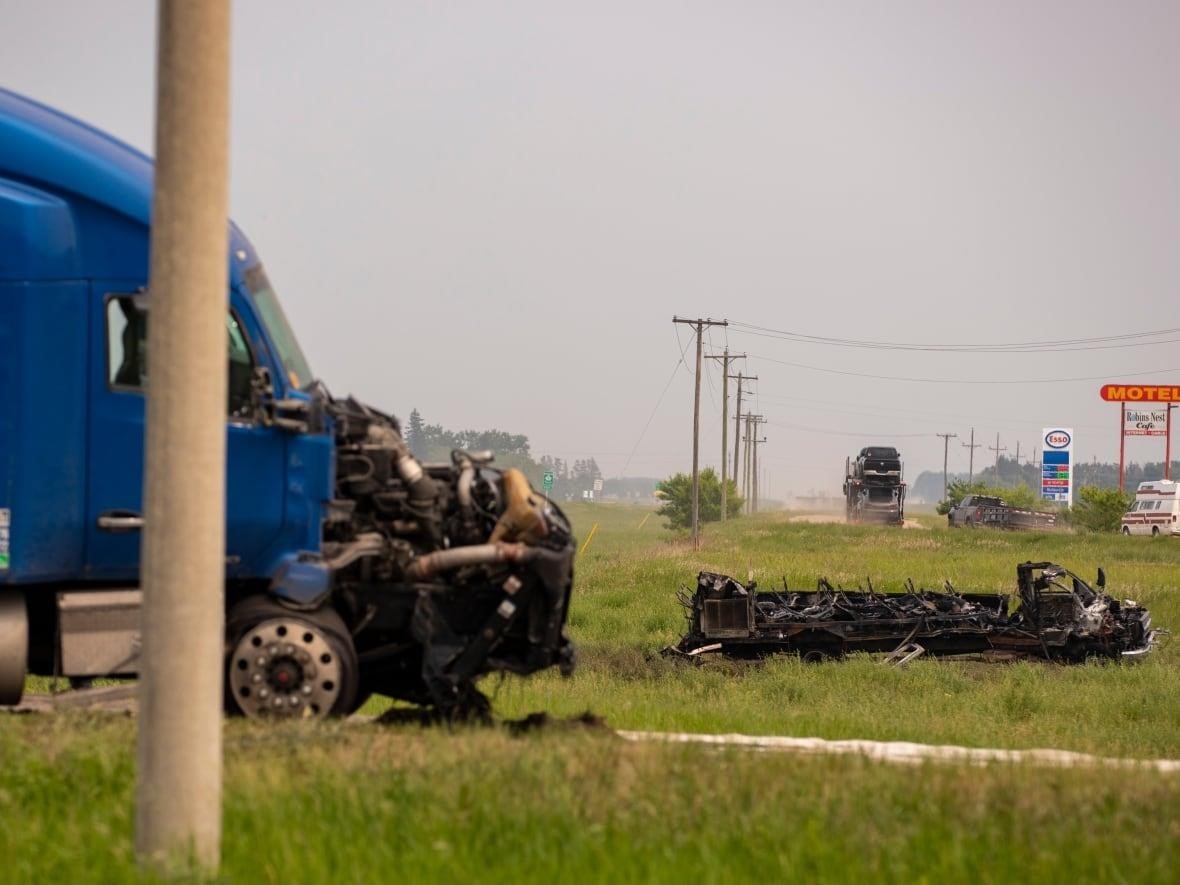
<point x="1059" y="617"/>
<point x="430" y="576"/>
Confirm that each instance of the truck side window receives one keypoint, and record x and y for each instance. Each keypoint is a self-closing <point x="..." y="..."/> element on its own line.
<point x="127" y="354"/>
<point x="126" y="343"/>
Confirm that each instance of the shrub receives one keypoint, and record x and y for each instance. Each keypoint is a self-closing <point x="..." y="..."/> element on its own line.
<point x="1099" y="510"/>
<point x="676" y="492"/>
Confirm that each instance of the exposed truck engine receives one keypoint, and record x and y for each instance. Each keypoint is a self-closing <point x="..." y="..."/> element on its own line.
<point x="874" y="491"/>
<point x="1057" y="616"/>
<point x="439" y="574"/>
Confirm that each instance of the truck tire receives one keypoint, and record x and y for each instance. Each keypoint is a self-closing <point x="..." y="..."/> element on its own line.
<point x="1155" y="531"/>
<point x="283" y="663"/>
<point x="1126" y="530"/>
<point x="14" y="646"/>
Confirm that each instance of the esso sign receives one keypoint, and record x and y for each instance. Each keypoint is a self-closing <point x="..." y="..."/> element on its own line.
<point x="1057" y="439"/>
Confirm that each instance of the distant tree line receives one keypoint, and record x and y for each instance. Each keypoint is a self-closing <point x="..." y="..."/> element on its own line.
<point x="433" y="443"/>
<point x="1008" y="475"/>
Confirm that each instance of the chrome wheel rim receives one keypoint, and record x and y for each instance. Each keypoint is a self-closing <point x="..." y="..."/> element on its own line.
<point x="285" y="667"/>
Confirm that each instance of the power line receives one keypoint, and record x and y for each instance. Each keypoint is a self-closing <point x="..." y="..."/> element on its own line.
<point x="1108" y="377"/>
<point x="651" y="417"/>
<point x="1105" y="342"/>
<point x="829" y="431"/>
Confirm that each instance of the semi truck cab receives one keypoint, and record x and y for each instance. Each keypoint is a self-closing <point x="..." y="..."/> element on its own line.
<point x="302" y="535"/>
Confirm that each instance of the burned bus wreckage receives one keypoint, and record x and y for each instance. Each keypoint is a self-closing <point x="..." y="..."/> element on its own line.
<point x="1059" y="617"/>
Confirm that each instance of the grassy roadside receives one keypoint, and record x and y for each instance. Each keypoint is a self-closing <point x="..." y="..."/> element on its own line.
<point x="358" y="802"/>
<point x="625" y="611"/>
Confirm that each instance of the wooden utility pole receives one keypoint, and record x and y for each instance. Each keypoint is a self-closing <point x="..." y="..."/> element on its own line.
<point x="178" y="794"/>
<point x="997" y="448"/>
<point x="971" y="461"/>
<point x="726" y="357"/>
<point x="757" y="419"/>
<point x="749" y="435"/>
<point x="737" y="422"/>
<point x="699" y="325"/>
<point x="946" y="440"/>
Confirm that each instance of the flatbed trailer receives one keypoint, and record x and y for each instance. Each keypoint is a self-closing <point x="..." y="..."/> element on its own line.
<point x="979" y="511"/>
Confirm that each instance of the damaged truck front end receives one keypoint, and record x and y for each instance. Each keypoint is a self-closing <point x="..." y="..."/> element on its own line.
<point x="1056" y="616"/>
<point x="430" y="576"/>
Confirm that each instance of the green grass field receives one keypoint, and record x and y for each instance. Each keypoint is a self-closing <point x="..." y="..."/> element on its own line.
<point x="359" y="802"/>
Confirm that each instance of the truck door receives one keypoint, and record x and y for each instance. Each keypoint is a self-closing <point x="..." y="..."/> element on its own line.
<point x="255" y="454"/>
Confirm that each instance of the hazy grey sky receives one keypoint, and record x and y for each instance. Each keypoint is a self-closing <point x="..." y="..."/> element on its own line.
<point x="491" y="211"/>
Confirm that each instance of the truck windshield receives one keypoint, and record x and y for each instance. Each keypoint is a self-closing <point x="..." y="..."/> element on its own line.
<point x="271" y="314"/>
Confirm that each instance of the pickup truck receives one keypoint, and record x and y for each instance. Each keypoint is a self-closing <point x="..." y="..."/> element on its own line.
<point x="351" y="568"/>
<point x="975" y="511"/>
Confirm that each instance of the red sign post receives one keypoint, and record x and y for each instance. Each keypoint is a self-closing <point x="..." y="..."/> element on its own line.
<point x="1142" y="393"/>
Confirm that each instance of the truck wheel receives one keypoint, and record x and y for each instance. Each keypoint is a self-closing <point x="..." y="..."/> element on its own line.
<point x="14" y="647"/>
<point x="1155" y="531"/>
<point x="1126" y="530"/>
<point x="285" y="663"/>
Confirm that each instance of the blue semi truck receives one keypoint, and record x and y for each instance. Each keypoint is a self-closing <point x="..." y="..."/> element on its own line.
<point x="351" y="568"/>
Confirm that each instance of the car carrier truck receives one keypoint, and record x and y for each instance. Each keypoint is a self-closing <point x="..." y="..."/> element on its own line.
<point x="873" y="486"/>
<point x="351" y="568"/>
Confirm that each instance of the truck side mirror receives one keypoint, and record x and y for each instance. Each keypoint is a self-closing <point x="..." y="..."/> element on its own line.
<point x="1101" y="582"/>
<point x="287" y="414"/>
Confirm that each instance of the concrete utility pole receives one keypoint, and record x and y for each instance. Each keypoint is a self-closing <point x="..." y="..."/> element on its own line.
<point x="178" y="796"/>
<point x="725" y="358"/>
<point x="997" y="448"/>
<point x="699" y="325"/>
<point x="946" y="440"/>
<point x="1017" y="453"/>
<point x="971" y="461"/>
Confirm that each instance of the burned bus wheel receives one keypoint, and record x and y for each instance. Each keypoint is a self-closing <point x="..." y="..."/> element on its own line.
<point x="819" y="655"/>
<point x="282" y="663"/>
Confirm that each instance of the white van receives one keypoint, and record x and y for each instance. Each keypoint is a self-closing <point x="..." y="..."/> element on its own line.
<point x="1156" y="510"/>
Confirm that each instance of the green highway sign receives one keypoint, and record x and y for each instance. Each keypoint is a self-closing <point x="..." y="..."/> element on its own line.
<point x="547" y="480"/>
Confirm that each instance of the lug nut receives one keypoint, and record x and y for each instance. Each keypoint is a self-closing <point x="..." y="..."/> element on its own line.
<point x="306" y="688"/>
<point x="260" y="661"/>
<point x="264" y="693"/>
<point x="288" y="649"/>
<point x="278" y="701"/>
<point x="256" y="678"/>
